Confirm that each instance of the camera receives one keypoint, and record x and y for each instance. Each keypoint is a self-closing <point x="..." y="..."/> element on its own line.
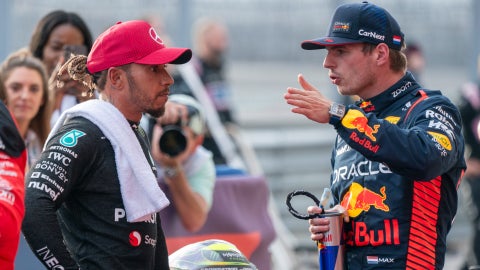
<point x="173" y="140"/>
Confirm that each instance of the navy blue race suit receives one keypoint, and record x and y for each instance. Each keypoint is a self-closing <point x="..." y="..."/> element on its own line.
<point x="397" y="164"/>
<point x="75" y="215"/>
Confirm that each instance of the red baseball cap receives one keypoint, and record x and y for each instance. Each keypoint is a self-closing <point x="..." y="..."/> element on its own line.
<point x="132" y="42"/>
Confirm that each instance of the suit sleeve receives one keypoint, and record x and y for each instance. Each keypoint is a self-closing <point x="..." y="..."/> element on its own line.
<point x="426" y="144"/>
<point x="50" y="181"/>
<point x="12" y="170"/>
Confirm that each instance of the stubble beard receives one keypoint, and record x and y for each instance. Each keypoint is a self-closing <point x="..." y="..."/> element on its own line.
<point x="156" y="113"/>
<point x="134" y="91"/>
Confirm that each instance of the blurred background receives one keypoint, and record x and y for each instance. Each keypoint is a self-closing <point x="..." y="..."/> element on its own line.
<point x="264" y="58"/>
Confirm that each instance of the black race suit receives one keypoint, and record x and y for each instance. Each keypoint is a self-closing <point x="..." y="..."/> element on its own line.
<point x="397" y="164"/>
<point x="75" y="215"/>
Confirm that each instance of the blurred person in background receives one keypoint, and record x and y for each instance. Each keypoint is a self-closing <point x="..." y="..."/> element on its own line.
<point x="25" y="93"/>
<point x="469" y="106"/>
<point x="55" y="36"/>
<point x="210" y="45"/>
<point x="415" y="60"/>
<point x="13" y="159"/>
<point x="398" y="157"/>
<point x="189" y="174"/>
<point x="92" y="199"/>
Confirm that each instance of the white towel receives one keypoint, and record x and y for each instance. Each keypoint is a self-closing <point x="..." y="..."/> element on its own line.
<point x="141" y="194"/>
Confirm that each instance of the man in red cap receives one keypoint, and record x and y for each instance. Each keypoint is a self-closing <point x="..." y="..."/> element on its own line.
<point x="13" y="157"/>
<point x="92" y="199"/>
<point x="398" y="158"/>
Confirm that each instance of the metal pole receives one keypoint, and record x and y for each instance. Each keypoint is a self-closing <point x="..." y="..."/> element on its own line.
<point x="475" y="57"/>
<point x="184" y="20"/>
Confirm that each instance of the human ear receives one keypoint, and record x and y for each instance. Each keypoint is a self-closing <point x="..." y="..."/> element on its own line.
<point x="382" y="52"/>
<point x="116" y="77"/>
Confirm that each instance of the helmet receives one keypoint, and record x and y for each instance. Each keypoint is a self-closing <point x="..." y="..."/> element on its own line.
<point x="209" y="254"/>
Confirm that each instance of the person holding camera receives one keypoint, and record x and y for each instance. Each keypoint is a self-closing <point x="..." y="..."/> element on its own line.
<point x="184" y="165"/>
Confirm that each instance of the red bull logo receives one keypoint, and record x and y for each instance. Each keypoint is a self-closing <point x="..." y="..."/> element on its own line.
<point x="362" y="235"/>
<point x="355" y="119"/>
<point x="359" y="199"/>
<point x="367" y="106"/>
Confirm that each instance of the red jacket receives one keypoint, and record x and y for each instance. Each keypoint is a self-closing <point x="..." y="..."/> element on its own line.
<point x="13" y="157"/>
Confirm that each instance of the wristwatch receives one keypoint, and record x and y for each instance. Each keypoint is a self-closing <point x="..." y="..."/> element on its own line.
<point x="336" y="111"/>
<point x="170" y="172"/>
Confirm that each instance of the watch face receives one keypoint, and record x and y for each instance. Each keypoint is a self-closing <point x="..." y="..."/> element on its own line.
<point x="170" y="172"/>
<point x="337" y="110"/>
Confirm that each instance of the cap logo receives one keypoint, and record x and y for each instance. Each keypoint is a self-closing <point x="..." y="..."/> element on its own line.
<point x="154" y="36"/>
<point x="341" y="27"/>
<point x="374" y="35"/>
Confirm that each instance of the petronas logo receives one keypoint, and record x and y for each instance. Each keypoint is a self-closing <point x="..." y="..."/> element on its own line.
<point x="70" y="138"/>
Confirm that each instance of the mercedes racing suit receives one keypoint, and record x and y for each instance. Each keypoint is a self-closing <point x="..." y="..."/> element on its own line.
<point x="13" y="158"/>
<point x="75" y="216"/>
<point x="397" y="164"/>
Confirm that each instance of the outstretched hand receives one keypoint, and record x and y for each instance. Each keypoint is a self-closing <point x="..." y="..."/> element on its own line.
<point x="309" y="101"/>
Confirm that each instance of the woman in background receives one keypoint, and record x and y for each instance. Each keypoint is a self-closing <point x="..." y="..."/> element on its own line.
<point x="56" y="35"/>
<point x="24" y="92"/>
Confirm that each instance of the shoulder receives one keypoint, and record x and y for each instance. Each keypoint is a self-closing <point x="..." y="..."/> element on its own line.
<point x="10" y="140"/>
<point x="433" y="106"/>
<point x="436" y="97"/>
<point x="78" y="133"/>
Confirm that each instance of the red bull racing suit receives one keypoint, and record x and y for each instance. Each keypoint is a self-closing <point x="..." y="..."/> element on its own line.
<point x="397" y="164"/>
<point x="13" y="157"/>
<point x="75" y="216"/>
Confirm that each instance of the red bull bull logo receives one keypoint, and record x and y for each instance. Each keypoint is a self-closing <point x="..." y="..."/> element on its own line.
<point x="355" y="119"/>
<point x="359" y="199"/>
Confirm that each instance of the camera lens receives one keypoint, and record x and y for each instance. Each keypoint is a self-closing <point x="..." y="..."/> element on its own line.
<point x="173" y="141"/>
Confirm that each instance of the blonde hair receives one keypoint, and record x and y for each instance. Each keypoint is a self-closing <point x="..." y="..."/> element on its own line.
<point x="40" y="124"/>
<point x="201" y="30"/>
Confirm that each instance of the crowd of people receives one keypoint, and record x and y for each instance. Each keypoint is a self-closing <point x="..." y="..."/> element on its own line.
<point x="85" y="199"/>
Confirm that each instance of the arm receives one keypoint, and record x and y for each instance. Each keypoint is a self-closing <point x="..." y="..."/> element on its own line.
<point x="49" y="183"/>
<point x="428" y="145"/>
<point x="191" y="207"/>
<point x="12" y="169"/>
<point x="191" y="194"/>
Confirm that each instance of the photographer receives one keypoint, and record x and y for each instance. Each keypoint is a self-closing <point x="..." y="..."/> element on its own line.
<point x="188" y="174"/>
